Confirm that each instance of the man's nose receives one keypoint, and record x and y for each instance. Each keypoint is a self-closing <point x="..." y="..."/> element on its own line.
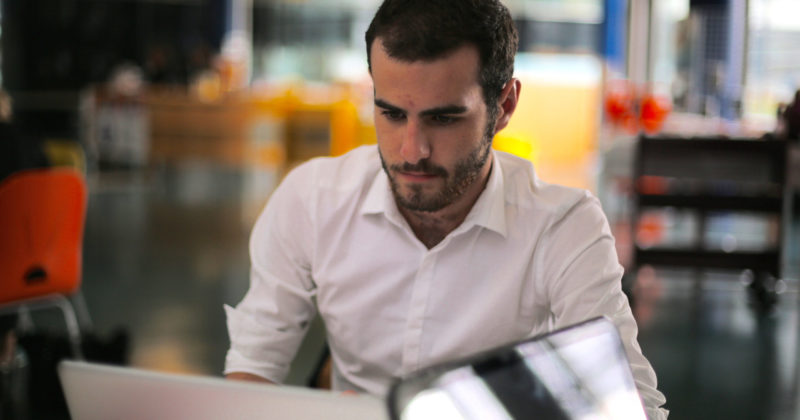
<point x="415" y="145"/>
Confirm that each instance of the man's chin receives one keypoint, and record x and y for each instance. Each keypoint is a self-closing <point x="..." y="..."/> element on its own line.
<point x="419" y="203"/>
<point x="419" y="197"/>
<point x="419" y="207"/>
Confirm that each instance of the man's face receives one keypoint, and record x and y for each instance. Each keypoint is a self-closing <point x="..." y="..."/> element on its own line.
<point x="433" y="131"/>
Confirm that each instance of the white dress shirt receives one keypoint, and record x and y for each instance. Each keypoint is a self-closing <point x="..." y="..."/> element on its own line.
<point x="530" y="257"/>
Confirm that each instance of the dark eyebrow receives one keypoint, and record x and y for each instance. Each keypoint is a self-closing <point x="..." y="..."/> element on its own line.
<point x="385" y="105"/>
<point x="445" y="110"/>
<point x="442" y="110"/>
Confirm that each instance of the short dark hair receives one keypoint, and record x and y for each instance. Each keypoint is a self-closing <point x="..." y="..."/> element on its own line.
<point x="414" y="30"/>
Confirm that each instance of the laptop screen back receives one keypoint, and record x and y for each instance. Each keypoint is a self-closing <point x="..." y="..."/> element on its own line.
<point x="580" y="372"/>
<point x="100" y="392"/>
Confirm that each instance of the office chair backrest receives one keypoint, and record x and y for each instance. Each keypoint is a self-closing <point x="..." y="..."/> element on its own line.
<point x="42" y="214"/>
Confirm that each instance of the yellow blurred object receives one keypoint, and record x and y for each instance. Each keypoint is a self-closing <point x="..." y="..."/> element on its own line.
<point x="344" y="127"/>
<point x="65" y="153"/>
<point x="559" y="122"/>
<point x="208" y="86"/>
<point x="517" y="143"/>
<point x="563" y="117"/>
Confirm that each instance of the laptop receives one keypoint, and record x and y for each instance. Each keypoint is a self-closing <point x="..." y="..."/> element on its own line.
<point x="578" y="372"/>
<point x="100" y="392"/>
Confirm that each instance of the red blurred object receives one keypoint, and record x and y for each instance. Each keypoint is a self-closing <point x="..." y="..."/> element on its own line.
<point x="650" y="184"/>
<point x="654" y="110"/>
<point x="633" y="112"/>
<point x="620" y="105"/>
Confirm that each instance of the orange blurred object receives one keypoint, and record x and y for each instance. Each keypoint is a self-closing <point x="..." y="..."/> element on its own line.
<point x="650" y="230"/>
<point x="42" y="215"/>
<point x="620" y="104"/>
<point x="653" y="112"/>
<point x="633" y="112"/>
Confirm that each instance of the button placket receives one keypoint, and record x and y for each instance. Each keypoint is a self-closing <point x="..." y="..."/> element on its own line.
<point x="416" y="314"/>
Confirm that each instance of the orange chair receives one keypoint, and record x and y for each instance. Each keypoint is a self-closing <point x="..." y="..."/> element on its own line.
<point x="42" y="215"/>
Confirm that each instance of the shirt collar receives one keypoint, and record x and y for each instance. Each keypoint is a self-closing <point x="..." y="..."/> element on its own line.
<point x="379" y="197"/>
<point x="488" y="211"/>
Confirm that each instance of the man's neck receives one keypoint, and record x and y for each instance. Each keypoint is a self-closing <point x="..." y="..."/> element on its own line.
<point x="432" y="227"/>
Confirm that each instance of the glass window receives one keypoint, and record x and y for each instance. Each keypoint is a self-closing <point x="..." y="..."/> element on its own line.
<point x="669" y="52"/>
<point x="773" y="59"/>
<point x="571" y="26"/>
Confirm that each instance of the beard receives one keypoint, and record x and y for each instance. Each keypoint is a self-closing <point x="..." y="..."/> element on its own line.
<point x="465" y="173"/>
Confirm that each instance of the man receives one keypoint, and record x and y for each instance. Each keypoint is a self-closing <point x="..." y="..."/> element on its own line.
<point x="430" y="246"/>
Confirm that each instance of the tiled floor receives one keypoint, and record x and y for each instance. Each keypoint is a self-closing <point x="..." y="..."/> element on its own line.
<point x="165" y="250"/>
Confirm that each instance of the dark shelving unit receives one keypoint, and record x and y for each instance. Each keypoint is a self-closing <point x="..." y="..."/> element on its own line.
<point x="707" y="176"/>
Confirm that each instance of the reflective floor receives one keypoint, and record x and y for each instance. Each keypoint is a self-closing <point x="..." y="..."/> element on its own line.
<point x="715" y="356"/>
<point x="164" y="250"/>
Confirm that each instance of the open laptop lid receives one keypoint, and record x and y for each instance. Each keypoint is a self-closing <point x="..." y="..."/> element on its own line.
<point x="101" y="392"/>
<point x="579" y="372"/>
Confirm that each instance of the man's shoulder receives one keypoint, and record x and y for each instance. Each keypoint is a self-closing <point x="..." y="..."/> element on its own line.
<point x="529" y="193"/>
<point x="322" y="186"/>
<point x="351" y="170"/>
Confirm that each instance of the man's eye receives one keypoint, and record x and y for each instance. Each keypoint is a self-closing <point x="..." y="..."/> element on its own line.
<point x="443" y="119"/>
<point x="393" y="115"/>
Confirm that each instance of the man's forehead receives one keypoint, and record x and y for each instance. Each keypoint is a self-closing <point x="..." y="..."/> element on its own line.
<point x="450" y="80"/>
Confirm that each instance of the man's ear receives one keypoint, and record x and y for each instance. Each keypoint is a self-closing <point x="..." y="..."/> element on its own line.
<point x="507" y="103"/>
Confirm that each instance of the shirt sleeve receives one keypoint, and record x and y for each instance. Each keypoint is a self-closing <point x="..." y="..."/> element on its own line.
<point x="579" y="263"/>
<point x="268" y="325"/>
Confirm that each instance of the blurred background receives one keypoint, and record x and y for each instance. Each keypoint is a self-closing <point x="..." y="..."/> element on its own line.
<point x="183" y="115"/>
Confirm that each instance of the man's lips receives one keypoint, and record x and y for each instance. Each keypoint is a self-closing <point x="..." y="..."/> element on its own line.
<point x="417" y="176"/>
